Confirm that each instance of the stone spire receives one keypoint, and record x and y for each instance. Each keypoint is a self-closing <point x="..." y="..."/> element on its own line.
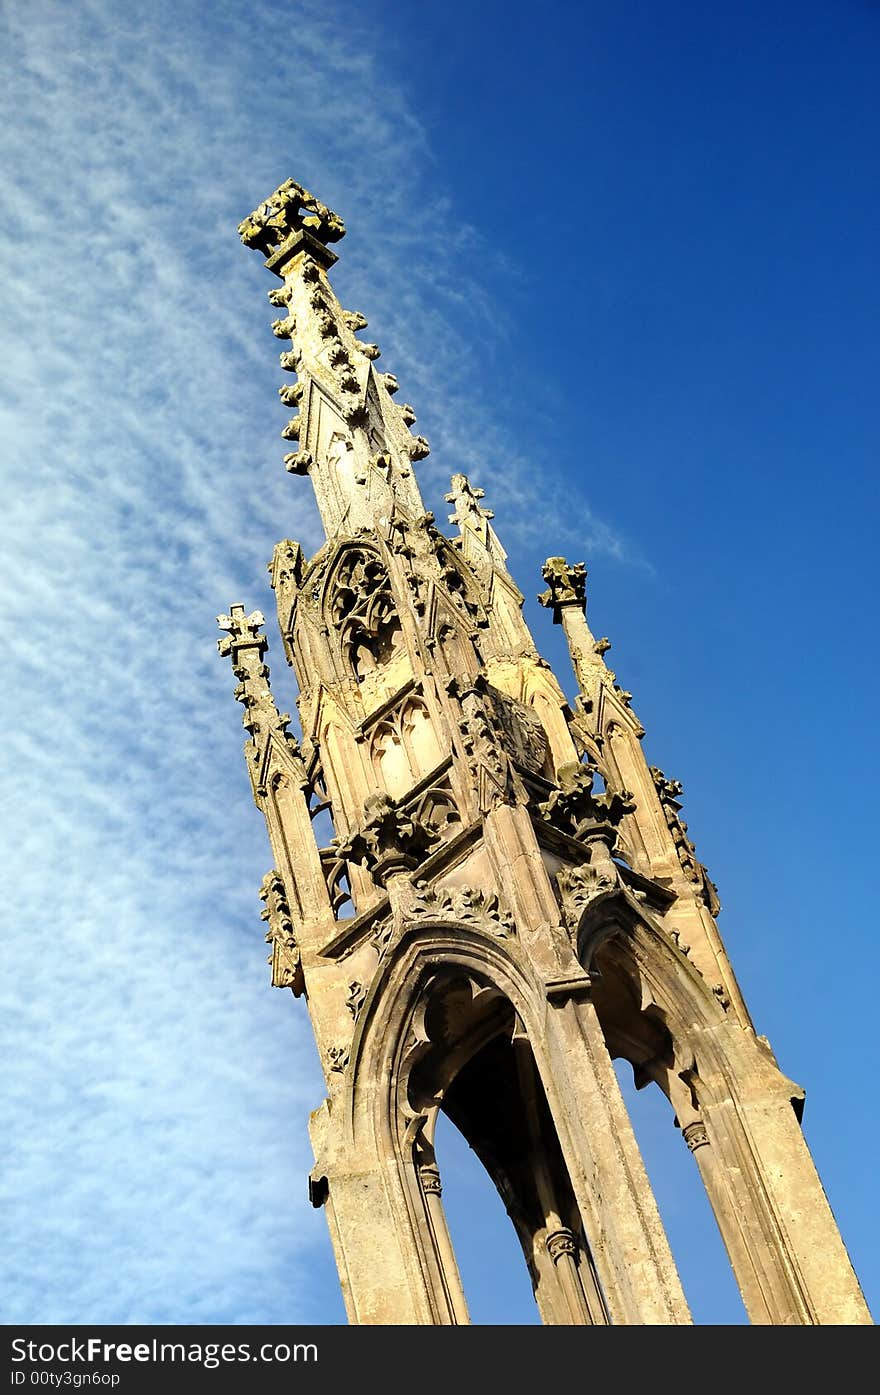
<point x="346" y="433"/>
<point x="245" y="645"/>
<point x="484" y="896"/>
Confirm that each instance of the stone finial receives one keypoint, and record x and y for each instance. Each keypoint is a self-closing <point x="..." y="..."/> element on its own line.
<point x="243" y="632"/>
<point x="245" y="645"/>
<point x="289" y="210"/>
<point x="389" y="840"/>
<point x="466" y="499"/>
<point x="576" y="810"/>
<point x="349" y="437"/>
<point x="566" y="585"/>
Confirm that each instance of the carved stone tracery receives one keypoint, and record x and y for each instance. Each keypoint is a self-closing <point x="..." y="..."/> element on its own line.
<point x="361" y="607"/>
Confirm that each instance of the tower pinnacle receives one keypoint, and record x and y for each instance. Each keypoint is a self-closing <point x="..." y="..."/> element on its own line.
<point x="347" y="433"/>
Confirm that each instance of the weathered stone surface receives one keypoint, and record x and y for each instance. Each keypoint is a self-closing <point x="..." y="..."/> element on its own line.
<point x="485" y="896"/>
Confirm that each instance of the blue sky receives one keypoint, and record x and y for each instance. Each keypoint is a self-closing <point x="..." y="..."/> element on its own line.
<point x="622" y="260"/>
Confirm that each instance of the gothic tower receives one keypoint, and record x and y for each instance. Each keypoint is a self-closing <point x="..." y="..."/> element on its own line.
<point x="507" y="899"/>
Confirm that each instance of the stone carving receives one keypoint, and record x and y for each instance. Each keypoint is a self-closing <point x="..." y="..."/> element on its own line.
<point x="243" y="631"/>
<point x="580" y="885"/>
<point x="246" y="646"/>
<point x="291" y="394"/>
<point x="695" y="1135"/>
<point x="566" y="585"/>
<point x="382" y="936"/>
<point x="283" y="329"/>
<point x="289" y="209"/>
<point x="336" y="879"/>
<point x="355" y="999"/>
<point x="487" y="762"/>
<point x="429" y="1174"/>
<point x="468" y="510"/>
<point x="285" y="572"/>
<point x="389" y="840"/>
<point x="561" y="1242"/>
<point x="418" y="448"/>
<point x="575" y="809"/>
<point x="362" y="609"/>
<point x="669" y="793"/>
<point x="339" y="1057"/>
<point x="522" y="732"/>
<point x="299" y="463"/>
<point x="436" y="807"/>
<point x="675" y="936"/>
<point x="469" y="905"/>
<point x="285" y="957"/>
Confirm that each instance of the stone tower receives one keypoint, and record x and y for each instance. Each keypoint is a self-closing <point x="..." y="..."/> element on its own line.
<point x="507" y="899"/>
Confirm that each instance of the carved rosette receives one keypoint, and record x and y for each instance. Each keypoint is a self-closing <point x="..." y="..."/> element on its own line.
<point x="468" y="905"/>
<point x="285" y="957"/>
<point x="669" y="793"/>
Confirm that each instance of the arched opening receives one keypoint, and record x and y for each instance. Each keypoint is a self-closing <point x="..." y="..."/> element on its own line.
<point x="496" y="1282"/>
<point x="476" y="1065"/>
<point x="688" y="1219"/>
<point x="657" y="1096"/>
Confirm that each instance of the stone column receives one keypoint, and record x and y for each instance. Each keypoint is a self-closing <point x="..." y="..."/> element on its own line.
<point x="630" y="1250"/>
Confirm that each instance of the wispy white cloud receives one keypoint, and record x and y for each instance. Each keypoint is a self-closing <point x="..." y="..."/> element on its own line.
<point x="158" y="1159"/>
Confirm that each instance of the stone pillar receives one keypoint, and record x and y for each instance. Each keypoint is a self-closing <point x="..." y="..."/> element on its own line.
<point x="630" y="1250"/>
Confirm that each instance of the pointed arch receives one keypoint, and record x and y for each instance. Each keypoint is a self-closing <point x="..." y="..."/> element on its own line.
<point x="657" y="1011"/>
<point x="450" y="1023"/>
<point x="356" y="599"/>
